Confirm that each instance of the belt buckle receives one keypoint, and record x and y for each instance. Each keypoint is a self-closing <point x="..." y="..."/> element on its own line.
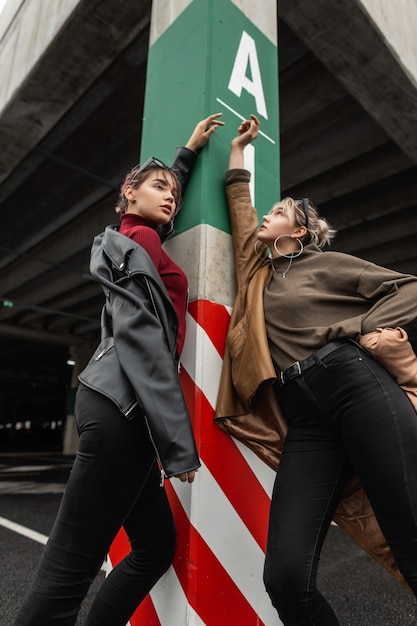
<point x="292" y="375"/>
<point x="298" y="373"/>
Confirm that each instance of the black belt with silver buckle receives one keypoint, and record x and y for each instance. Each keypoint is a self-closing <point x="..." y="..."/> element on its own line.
<point x="299" y="367"/>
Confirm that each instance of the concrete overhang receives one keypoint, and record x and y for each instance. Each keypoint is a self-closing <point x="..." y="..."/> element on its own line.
<point x="370" y="47"/>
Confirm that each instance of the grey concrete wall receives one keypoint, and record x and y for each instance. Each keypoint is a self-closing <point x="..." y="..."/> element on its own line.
<point x="27" y="27"/>
<point x="51" y="52"/>
<point x="396" y="22"/>
<point x="368" y="46"/>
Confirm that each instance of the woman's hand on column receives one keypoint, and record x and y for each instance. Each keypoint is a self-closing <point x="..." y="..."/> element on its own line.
<point x="204" y="129"/>
<point x="187" y="476"/>
<point x="247" y="132"/>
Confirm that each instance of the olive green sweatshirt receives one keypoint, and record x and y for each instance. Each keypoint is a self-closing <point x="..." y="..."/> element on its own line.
<point x="330" y="295"/>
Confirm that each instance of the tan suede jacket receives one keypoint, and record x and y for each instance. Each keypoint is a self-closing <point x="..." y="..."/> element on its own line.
<point x="247" y="407"/>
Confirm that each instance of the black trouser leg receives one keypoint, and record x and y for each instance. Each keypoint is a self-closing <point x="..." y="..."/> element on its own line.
<point x="114" y="466"/>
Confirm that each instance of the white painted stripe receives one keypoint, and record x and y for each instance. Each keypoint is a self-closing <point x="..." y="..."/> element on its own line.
<point x="171" y="604"/>
<point x="201" y="360"/>
<point x="185" y="493"/>
<point x="227" y="536"/>
<point x="242" y="118"/>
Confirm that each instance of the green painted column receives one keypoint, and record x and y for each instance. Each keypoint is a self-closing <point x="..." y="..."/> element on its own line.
<point x="212" y="58"/>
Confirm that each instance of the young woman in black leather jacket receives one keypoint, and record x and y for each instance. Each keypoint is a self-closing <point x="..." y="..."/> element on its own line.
<point x="115" y="481"/>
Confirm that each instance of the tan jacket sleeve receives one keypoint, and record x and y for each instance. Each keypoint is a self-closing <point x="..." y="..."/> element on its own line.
<point x="390" y="347"/>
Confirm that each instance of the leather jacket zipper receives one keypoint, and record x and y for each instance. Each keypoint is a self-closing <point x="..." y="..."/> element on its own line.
<point x="128" y="411"/>
<point x="103" y="352"/>
<point x="163" y="474"/>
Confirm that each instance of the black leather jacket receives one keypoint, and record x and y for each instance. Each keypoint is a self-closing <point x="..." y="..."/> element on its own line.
<point x="135" y="364"/>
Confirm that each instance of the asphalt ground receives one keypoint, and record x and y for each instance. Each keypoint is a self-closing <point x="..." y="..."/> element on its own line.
<point x="359" y="590"/>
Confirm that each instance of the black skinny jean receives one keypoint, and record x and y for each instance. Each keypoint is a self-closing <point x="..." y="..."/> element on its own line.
<point x="114" y="482"/>
<point x="344" y="413"/>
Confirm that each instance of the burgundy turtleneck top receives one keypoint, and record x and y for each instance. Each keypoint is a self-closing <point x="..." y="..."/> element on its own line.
<point x="174" y="279"/>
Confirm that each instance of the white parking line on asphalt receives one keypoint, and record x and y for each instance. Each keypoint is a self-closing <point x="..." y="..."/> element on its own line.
<point x="22" y="530"/>
<point x="31" y="534"/>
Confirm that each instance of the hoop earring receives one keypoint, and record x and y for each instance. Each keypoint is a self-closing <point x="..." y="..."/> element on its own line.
<point x="293" y="255"/>
<point x="261" y="258"/>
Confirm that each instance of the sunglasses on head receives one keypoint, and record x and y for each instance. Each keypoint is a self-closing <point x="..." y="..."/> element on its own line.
<point x="152" y="161"/>
<point x="305" y="202"/>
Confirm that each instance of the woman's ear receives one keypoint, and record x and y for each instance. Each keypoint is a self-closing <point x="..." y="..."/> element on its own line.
<point x="300" y="231"/>
<point x="129" y="193"/>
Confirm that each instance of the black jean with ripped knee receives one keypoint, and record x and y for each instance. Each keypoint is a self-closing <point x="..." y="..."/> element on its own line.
<point x="344" y="413"/>
<point x="114" y="482"/>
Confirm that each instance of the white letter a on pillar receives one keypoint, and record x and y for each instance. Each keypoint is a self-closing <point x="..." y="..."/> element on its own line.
<point x="247" y="56"/>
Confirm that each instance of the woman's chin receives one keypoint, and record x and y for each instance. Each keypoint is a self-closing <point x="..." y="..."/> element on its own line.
<point x="261" y="238"/>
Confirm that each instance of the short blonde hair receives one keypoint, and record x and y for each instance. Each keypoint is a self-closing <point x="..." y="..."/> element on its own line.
<point x="319" y="230"/>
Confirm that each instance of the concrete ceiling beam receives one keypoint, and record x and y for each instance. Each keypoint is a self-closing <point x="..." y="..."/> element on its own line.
<point x="79" y="53"/>
<point x="368" y="67"/>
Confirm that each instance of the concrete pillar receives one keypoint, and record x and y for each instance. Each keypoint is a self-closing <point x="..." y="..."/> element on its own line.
<point x="210" y="56"/>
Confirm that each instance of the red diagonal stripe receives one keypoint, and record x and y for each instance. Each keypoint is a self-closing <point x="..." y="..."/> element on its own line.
<point x="214" y="318"/>
<point x="209" y="589"/>
<point x="227" y="465"/>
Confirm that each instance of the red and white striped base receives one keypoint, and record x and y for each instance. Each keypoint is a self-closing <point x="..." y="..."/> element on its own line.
<point x="216" y="576"/>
